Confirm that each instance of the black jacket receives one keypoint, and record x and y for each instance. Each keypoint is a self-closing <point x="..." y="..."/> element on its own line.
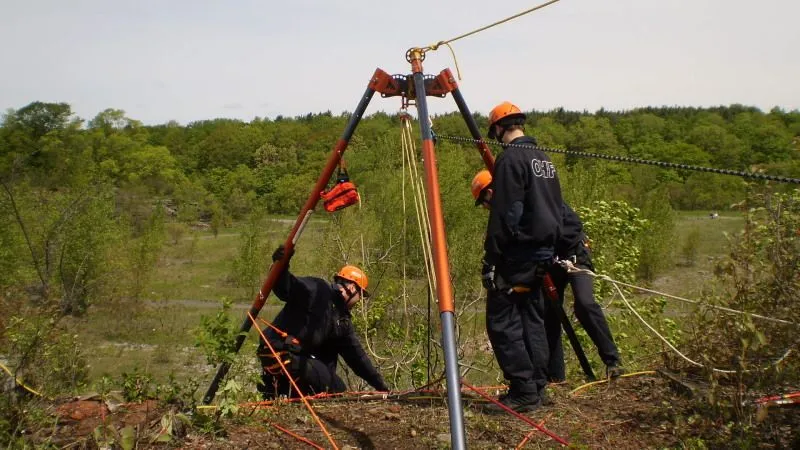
<point x="526" y="207"/>
<point x="315" y="314"/>
<point x="571" y="233"/>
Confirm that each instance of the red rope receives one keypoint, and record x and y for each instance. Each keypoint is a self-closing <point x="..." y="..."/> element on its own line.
<point x="777" y="397"/>
<point x="527" y="420"/>
<point x="298" y="437"/>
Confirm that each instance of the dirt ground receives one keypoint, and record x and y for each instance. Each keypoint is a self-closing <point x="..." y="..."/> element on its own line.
<point x="631" y="413"/>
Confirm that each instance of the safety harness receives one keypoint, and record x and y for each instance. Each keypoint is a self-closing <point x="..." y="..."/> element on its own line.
<point x="290" y="344"/>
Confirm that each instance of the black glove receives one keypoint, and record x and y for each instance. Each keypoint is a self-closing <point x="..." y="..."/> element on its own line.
<point x="488" y="277"/>
<point x="279" y="252"/>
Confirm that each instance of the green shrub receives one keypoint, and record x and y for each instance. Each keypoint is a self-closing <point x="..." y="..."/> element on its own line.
<point x="657" y="241"/>
<point x="613" y="229"/>
<point x="691" y="247"/>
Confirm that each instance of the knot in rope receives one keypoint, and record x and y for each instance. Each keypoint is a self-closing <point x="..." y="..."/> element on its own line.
<point x="435" y="46"/>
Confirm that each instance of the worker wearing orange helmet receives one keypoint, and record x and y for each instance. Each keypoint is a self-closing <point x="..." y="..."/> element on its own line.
<point x="481" y="188"/>
<point x="525" y="220"/>
<point x="312" y="330"/>
<point x="571" y="246"/>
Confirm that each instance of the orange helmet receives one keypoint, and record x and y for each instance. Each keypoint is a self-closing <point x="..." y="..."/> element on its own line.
<point x="356" y="275"/>
<point x="481" y="181"/>
<point x="500" y="112"/>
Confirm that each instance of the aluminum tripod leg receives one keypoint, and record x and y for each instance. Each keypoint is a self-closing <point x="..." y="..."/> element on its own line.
<point x="441" y="265"/>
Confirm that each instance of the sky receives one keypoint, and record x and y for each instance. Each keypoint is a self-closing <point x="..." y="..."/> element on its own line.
<point x="194" y="60"/>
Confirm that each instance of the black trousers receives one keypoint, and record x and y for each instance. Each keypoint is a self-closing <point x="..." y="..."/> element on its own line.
<point x="311" y="375"/>
<point x="587" y="311"/>
<point x="515" y="325"/>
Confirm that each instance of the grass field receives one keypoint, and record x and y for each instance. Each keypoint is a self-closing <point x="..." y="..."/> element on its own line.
<point x="686" y="279"/>
<point x="154" y="334"/>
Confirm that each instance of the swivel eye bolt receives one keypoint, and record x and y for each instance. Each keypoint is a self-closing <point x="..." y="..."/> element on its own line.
<point x="415" y="53"/>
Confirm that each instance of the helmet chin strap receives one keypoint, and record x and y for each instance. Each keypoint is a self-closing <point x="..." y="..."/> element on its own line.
<point x="347" y="295"/>
<point x="499" y="136"/>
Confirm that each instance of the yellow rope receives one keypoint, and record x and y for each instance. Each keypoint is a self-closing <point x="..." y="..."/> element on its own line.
<point x="419" y="202"/>
<point x="606" y="380"/>
<point x="458" y="70"/>
<point x="27" y="388"/>
<point x="440" y="43"/>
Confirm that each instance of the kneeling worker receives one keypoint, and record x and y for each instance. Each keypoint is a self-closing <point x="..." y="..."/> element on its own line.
<point x="311" y="331"/>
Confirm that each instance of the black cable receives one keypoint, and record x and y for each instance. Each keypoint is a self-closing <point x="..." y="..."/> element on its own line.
<point x="757" y="176"/>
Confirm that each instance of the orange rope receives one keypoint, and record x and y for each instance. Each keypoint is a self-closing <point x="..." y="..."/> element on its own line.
<point x="298" y="437"/>
<point x="291" y="380"/>
<point x="282" y="334"/>
<point x="544" y="430"/>
<point x="527" y="437"/>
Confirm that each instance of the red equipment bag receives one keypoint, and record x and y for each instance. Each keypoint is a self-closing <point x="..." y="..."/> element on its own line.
<point x="341" y="195"/>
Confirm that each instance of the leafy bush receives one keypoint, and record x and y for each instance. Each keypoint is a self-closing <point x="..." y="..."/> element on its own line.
<point x="136" y="386"/>
<point x="216" y="335"/>
<point x="144" y="251"/>
<point x="63" y="242"/>
<point x="43" y="353"/>
<point x="690" y="247"/>
<point x="760" y="276"/>
<point x="657" y="240"/>
<point x="613" y="229"/>
<point x="176" y="230"/>
<point x="253" y="258"/>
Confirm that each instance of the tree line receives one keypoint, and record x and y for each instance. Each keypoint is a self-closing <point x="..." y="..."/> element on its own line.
<point x="231" y="165"/>
<point x="75" y="192"/>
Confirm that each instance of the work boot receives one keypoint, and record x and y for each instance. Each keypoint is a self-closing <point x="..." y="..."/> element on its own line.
<point x="614" y="371"/>
<point x="516" y="402"/>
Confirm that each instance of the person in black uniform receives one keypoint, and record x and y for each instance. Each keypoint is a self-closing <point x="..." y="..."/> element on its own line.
<point x="524" y="225"/>
<point x="572" y="246"/>
<point x="311" y="331"/>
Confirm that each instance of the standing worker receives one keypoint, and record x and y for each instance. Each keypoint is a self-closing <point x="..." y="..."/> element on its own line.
<point x="572" y="246"/>
<point x="524" y="225"/>
<point x="311" y="331"/>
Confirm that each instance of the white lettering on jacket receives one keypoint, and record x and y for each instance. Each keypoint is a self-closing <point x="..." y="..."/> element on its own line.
<point x="543" y="169"/>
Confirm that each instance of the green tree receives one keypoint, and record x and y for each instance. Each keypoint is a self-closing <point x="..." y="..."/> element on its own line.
<point x="144" y="250"/>
<point x="112" y="121"/>
<point x="42" y="142"/>
<point x="252" y="259"/>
